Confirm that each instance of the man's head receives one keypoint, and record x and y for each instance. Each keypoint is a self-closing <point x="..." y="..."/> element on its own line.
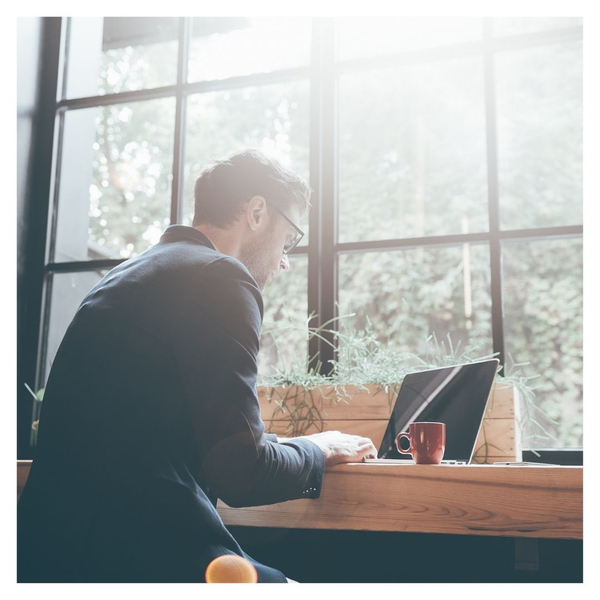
<point x="250" y="207"/>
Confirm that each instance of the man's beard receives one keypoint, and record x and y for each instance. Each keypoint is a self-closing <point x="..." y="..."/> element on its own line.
<point x="253" y="257"/>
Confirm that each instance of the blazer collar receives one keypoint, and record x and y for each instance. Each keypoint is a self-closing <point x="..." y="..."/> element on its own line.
<point x="181" y="232"/>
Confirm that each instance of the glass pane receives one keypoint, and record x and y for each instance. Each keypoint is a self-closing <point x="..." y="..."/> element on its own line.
<point x="371" y="36"/>
<point x="412" y="158"/>
<point x="115" y="184"/>
<point x="514" y="25"/>
<point x="118" y="54"/>
<point x="540" y="128"/>
<point x="271" y="118"/>
<point x="283" y="342"/>
<point x="409" y="294"/>
<point x="543" y="320"/>
<point x="230" y="46"/>
<point x="68" y="291"/>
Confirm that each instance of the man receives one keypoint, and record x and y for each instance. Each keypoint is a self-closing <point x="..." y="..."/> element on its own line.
<point x="150" y="412"/>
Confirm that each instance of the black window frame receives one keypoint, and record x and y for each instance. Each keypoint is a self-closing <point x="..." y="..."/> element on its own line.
<point x="323" y="247"/>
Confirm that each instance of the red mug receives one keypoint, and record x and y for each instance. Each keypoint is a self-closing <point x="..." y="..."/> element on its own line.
<point x="427" y="442"/>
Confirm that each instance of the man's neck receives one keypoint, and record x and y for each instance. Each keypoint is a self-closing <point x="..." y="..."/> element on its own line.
<point x="199" y="228"/>
<point x="224" y="240"/>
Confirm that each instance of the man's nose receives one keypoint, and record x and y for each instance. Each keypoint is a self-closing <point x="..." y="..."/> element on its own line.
<point x="285" y="263"/>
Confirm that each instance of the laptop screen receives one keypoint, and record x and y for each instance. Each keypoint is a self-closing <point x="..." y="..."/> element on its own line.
<point x="456" y="396"/>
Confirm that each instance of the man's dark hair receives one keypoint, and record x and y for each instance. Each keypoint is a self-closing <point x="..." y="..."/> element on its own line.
<point x="225" y="186"/>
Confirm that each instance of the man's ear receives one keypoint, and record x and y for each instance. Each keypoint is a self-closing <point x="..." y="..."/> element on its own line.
<point x="256" y="212"/>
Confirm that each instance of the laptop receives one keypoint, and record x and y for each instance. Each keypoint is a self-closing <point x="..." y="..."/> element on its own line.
<point x="456" y="396"/>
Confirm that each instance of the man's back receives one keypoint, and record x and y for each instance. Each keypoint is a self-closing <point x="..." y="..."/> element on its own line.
<point x="149" y="414"/>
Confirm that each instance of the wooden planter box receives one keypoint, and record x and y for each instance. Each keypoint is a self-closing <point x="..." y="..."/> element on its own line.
<point x="366" y="411"/>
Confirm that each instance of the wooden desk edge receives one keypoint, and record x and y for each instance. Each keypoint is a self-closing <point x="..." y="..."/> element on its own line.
<point x="491" y="500"/>
<point x="562" y="482"/>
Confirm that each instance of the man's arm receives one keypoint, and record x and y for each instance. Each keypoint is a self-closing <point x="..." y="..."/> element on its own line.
<point x="216" y="350"/>
<point x="339" y="447"/>
<point x="218" y="359"/>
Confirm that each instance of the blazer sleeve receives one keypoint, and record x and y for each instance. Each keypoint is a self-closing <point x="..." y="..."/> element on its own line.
<point x="216" y="354"/>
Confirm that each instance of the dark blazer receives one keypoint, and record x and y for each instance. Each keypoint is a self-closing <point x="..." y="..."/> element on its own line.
<point x="150" y="414"/>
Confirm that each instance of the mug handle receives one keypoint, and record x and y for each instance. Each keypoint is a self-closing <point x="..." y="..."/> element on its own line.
<point x="399" y="447"/>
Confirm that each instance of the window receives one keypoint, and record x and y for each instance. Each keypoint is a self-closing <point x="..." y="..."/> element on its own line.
<point x="114" y="196"/>
<point x="445" y="155"/>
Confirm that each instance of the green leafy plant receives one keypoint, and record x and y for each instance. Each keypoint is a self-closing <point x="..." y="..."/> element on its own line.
<point x="361" y="359"/>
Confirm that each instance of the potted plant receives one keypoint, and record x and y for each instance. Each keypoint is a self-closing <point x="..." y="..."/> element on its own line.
<point x="365" y="377"/>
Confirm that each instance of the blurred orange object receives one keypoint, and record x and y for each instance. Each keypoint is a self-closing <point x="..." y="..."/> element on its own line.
<point x="231" y="568"/>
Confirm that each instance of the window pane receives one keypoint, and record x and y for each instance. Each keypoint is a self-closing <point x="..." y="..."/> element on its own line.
<point x="543" y="320"/>
<point x="115" y="184"/>
<point x="68" y="291"/>
<point x="412" y="158"/>
<point x="118" y="54"/>
<point x="229" y="46"/>
<point x="514" y="25"/>
<point x="271" y="118"/>
<point x="286" y="306"/>
<point x="360" y="36"/>
<point x="540" y="123"/>
<point x="410" y="294"/>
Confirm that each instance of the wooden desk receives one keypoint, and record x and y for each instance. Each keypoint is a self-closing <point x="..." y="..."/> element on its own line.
<point x="524" y="502"/>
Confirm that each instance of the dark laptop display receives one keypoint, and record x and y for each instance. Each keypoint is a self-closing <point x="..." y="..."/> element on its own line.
<point x="454" y="395"/>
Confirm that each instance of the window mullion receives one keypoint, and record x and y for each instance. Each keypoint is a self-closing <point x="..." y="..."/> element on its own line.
<point x="321" y="256"/>
<point x="36" y="217"/>
<point x="493" y="197"/>
<point x="185" y="24"/>
<point x="315" y="170"/>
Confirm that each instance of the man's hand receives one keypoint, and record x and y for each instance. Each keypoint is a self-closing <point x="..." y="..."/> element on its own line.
<point x="340" y="447"/>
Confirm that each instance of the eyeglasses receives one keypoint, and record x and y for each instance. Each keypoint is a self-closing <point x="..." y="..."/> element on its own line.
<point x="299" y="233"/>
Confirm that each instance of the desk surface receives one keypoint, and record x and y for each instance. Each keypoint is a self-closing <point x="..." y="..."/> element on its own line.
<point x="520" y="501"/>
<point x="536" y="502"/>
